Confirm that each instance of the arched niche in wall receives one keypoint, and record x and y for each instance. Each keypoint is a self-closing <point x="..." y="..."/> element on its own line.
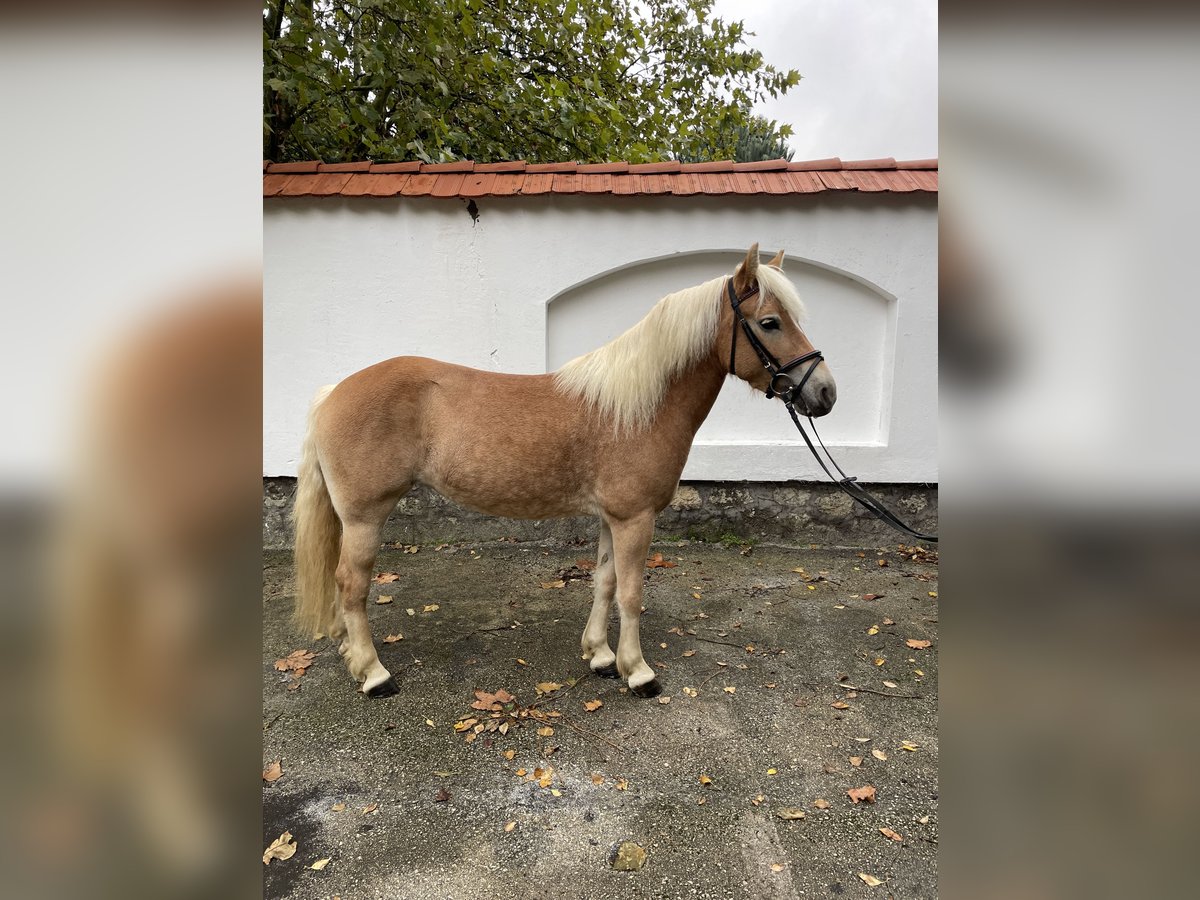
<point x="851" y="321"/>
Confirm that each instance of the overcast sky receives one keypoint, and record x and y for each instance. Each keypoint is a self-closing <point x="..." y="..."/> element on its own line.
<point x="869" y="70"/>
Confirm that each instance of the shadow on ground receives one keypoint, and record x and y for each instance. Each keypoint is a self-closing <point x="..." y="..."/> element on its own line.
<point x="768" y="654"/>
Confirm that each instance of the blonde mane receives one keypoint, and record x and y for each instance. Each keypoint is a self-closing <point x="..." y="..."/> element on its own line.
<point x="628" y="377"/>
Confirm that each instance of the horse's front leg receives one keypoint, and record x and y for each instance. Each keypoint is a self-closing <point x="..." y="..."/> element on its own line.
<point x="595" y="636"/>
<point x="631" y="542"/>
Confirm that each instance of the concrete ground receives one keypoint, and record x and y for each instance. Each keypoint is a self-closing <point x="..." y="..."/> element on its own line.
<point x="769" y="728"/>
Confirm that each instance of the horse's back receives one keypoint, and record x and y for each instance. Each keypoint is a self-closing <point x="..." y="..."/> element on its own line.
<point x="502" y="443"/>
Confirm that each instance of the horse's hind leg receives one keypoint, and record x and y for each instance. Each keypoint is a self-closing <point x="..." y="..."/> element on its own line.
<point x="631" y="542"/>
<point x="595" y="635"/>
<point x="360" y="546"/>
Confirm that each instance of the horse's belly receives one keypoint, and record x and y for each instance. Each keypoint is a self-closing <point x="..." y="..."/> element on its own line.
<point x="501" y="491"/>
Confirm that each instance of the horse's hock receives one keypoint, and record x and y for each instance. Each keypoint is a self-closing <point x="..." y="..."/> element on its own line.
<point x="785" y="513"/>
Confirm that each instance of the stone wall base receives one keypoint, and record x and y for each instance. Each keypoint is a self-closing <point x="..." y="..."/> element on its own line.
<point x="785" y="513"/>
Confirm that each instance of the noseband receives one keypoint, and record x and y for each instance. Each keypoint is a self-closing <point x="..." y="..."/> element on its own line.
<point x="788" y="391"/>
<point x="781" y="384"/>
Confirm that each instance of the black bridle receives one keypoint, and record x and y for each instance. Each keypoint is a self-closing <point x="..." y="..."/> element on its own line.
<point x="783" y="386"/>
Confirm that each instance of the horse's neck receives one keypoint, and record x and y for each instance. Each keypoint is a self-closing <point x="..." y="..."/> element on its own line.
<point x="690" y="397"/>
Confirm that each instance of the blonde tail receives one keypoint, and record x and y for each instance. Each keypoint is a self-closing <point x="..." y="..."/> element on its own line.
<point x="318" y="538"/>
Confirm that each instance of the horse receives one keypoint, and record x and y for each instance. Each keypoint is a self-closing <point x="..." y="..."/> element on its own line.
<point x="606" y="435"/>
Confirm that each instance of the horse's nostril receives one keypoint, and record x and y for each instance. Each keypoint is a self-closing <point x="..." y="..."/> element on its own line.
<point x="826" y="395"/>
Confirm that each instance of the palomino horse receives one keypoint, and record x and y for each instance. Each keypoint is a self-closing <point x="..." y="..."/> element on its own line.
<point x="606" y="435"/>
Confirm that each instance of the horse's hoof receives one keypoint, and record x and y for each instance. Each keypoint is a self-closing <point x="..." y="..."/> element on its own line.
<point x="387" y="688"/>
<point x="609" y="671"/>
<point x="651" y="688"/>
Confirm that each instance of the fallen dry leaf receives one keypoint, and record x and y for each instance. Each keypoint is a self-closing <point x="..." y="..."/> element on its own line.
<point x="297" y="661"/>
<point x="870" y="880"/>
<point x="597" y="779"/>
<point x="283" y="847"/>
<point x="909" y="746"/>
<point x="550" y="585"/>
<point x="431" y="607"/>
<point x="790" y="813"/>
<point x="865" y="794"/>
<point x="664" y="700"/>
<point x="873" y="597"/>
<point x="592" y="705"/>
<point x="821" y="803"/>
<point x="919" y="645"/>
<point x="874" y="629"/>
<point x="657" y="562"/>
<point x="545" y="731"/>
<point x="320" y="864"/>
<point x="547" y="687"/>
<point x="838" y="704"/>
<point x="888" y="622"/>
<point x="510" y="826"/>
<point x="338" y="807"/>
<point x="384" y="598"/>
<point x="386" y="578"/>
<point x="622" y="784"/>
<point x="856" y="761"/>
<point x="879" y="755"/>
<point x="890" y="684"/>
<point x="273" y="772"/>
<point x="888" y="833"/>
<point x="705" y="780"/>
<point x="509" y="754"/>
<point x="691" y="691"/>
<point x="441" y="796"/>
<point x="492" y="701"/>
<point x="880" y="660"/>
<point x="370" y="808"/>
<point x="392" y="638"/>
<point x="730" y="690"/>
<point x="776" y="867"/>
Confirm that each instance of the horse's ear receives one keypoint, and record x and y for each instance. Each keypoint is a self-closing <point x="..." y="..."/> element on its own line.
<point x="746" y="270"/>
<point x="777" y="262"/>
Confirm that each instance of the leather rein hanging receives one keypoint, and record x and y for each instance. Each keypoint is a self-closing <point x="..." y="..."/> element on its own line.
<point x="782" y="385"/>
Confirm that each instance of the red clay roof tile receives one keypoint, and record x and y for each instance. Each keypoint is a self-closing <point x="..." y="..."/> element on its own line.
<point x="273" y="184"/>
<point x="513" y="165"/>
<point x="293" y="168"/>
<point x="464" y="178"/>
<point x="655" y="168"/>
<point x="886" y="163"/>
<point x="541" y="168"/>
<point x="477" y="184"/>
<point x="762" y="165"/>
<point x="375" y="185"/>
<point x="448" y="185"/>
<point x="815" y="165"/>
<point x="458" y="165"/>
<point x="364" y="166"/>
<point x="419" y="185"/>
<point x="600" y="183"/>
<point x="538" y="183"/>
<point x="720" y="165"/>
<point x="507" y="184"/>
<point x="566" y="183"/>
<point x="602" y="168"/>
<point x="395" y="168"/>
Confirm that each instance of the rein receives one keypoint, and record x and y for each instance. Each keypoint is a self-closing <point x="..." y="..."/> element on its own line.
<point x="783" y="386"/>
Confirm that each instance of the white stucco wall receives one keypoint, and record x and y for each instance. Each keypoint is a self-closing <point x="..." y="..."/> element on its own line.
<point x="537" y="280"/>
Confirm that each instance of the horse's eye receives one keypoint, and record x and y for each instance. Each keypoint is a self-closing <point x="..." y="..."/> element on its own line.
<point x="769" y="324"/>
